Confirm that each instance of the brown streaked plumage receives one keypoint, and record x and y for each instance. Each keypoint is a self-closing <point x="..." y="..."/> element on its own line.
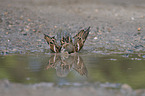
<point x="67" y="44"/>
<point x="52" y="43"/>
<point x="80" y="39"/>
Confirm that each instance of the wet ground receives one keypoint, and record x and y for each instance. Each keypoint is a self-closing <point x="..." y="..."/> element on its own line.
<point x="110" y="64"/>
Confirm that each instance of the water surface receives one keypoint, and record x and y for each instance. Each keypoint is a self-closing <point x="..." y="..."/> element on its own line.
<point x="60" y="69"/>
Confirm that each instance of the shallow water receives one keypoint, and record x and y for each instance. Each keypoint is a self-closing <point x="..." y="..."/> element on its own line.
<point x="63" y="69"/>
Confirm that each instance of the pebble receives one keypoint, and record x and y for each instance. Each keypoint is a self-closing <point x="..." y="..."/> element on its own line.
<point x="132" y="18"/>
<point x="7" y="33"/>
<point x="39" y="40"/>
<point x="139" y="29"/>
<point x="26" y="29"/>
<point x="143" y="56"/>
<point x="29" y="20"/>
<point x="96" y="10"/>
<point x="95" y="38"/>
<point x="5" y="13"/>
<point x="125" y="88"/>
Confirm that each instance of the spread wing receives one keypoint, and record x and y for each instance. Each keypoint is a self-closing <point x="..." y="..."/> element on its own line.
<point x="52" y="43"/>
<point x="80" y="39"/>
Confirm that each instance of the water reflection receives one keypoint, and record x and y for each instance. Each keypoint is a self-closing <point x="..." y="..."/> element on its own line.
<point x="29" y="69"/>
<point x="63" y="64"/>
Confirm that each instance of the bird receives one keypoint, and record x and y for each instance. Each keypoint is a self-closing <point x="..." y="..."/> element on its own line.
<point x="68" y="44"/>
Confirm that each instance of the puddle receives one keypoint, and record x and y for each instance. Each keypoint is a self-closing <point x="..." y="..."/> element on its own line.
<point x="66" y="69"/>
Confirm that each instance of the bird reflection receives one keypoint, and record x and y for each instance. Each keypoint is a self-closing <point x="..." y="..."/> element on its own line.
<point x="63" y="64"/>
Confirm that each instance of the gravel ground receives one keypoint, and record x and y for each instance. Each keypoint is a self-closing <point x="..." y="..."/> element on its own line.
<point x="46" y="89"/>
<point x="116" y="26"/>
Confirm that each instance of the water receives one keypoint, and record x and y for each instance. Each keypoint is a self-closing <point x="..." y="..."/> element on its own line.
<point x="62" y="69"/>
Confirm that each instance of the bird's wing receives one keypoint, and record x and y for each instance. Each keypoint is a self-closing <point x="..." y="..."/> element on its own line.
<point x="52" y="43"/>
<point x="80" y="38"/>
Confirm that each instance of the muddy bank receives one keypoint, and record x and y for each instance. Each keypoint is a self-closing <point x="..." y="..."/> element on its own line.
<point x="115" y="25"/>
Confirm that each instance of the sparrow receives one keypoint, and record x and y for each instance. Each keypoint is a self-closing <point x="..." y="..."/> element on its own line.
<point x="68" y="44"/>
